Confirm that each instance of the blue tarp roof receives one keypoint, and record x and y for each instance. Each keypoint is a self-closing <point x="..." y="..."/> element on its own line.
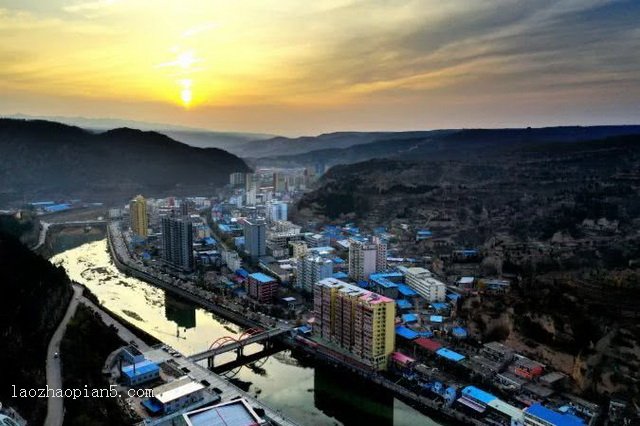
<point x="436" y="318"/>
<point x="409" y="318"/>
<point x="263" y="278"/>
<point x="478" y="394"/>
<point x="338" y="260"/>
<point x="405" y="332"/>
<point x="383" y="282"/>
<point x="57" y="207"/>
<point x="142" y="367"/>
<point x="426" y="334"/>
<point x="152" y="405"/>
<point x="388" y="275"/>
<point x="340" y="275"/>
<point x="242" y="272"/>
<point x="439" y="306"/>
<point x="363" y="284"/>
<point x="304" y="329"/>
<point x="208" y="240"/>
<point x="459" y="332"/>
<point x="453" y="296"/>
<point x="404" y="304"/>
<point x="553" y="417"/>
<point x="450" y="355"/>
<point x="406" y="291"/>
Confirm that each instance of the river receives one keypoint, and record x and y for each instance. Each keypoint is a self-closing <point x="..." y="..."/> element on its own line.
<point x="312" y="395"/>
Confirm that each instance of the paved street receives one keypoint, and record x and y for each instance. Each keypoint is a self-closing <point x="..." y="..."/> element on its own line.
<point x="55" y="406"/>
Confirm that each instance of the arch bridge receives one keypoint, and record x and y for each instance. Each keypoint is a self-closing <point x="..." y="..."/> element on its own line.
<point x="229" y="343"/>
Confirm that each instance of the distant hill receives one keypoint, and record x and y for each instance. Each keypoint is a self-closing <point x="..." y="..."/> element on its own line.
<point x="443" y="144"/>
<point x="53" y="160"/>
<point x="229" y="141"/>
<point x="282" y="146"/>
<point x="201" y="138"/>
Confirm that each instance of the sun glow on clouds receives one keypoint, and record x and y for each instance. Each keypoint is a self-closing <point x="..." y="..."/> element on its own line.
<point x="322" y="66"/>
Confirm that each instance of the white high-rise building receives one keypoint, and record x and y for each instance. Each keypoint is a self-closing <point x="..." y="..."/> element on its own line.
<point x="277" y="211"/>
<point x="311" y="269"/>
<point x="366" y="258"/>
<point x="423" y="282"/>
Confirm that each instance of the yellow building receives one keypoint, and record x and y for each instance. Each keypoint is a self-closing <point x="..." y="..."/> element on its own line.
<point x="356" y="320"/>
<point x="138" y="216"/>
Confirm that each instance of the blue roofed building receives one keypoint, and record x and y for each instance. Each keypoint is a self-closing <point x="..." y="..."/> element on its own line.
<point x="409" y="318"/>
<point x="262" y="287"/>
<point x="436" y="318"/>
<point x="340" y="275"/>
<point x="386" y="283"/>
<point x="459" y="332"/>
<point x="475" y="398"/>
<point x="140" y="372"/>
<point x="406" y="291"/>
<point x="403" y="304"/>
<point x="450" y="355"/>
<point x="423" y="234"/>
<point x="406" y="333"/>
<point x="54" y="208"/>
<point x="242" y="273"/>
<point x="539" y="415"/>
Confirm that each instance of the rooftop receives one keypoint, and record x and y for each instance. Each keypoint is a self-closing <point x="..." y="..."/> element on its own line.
<point x="176" y="389"/>
<point x="409" y="317"/>
<point x="404" y="304"/>
<point x="428" y="344"/>
<point x="478" y="394"/>
<point x="508" y="409"/>
<point x="140" y="368"/>
<point x="405" y="332"/>
<point x="232" y="413"/>
<point x="354" y="290"/>
<point x="406" y="291"/>
<point x="450" y="355"/>
<point x="553" y="417"/>
<point x="263" y="278"/>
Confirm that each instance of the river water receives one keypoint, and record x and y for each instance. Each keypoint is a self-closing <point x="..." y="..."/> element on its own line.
<point x="310" y="394"/>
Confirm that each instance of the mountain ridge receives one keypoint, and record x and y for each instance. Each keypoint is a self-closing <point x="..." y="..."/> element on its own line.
<point x="53" y="160"/>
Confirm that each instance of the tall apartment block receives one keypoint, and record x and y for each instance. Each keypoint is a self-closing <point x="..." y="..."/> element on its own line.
<point x="237" y="179"/>
<point x="366" y="258"/>
<point x="255" y="238"/>
<point x="355" y="320"/>
<point x="177" y="242"/>
<point x="139" y="220"/>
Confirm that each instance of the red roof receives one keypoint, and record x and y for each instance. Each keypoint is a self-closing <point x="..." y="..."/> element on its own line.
<point x="428" y="344"/>
<point x="402" y="358"/>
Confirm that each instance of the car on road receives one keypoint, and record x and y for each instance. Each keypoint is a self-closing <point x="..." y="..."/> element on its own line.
<point x="56" y="355"/>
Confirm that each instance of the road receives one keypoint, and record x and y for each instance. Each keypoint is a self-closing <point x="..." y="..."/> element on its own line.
<point x="42" y="237"/>
<point x="123" y="332"/>
<point x="55" y="406"/>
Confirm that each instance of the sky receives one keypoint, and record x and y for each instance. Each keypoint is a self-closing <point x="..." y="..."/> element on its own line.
<point x="293" y="67"/>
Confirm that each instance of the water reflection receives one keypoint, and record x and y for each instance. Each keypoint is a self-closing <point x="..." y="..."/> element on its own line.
<point x="179" y="311"/>
<point x="351" y="400"/>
